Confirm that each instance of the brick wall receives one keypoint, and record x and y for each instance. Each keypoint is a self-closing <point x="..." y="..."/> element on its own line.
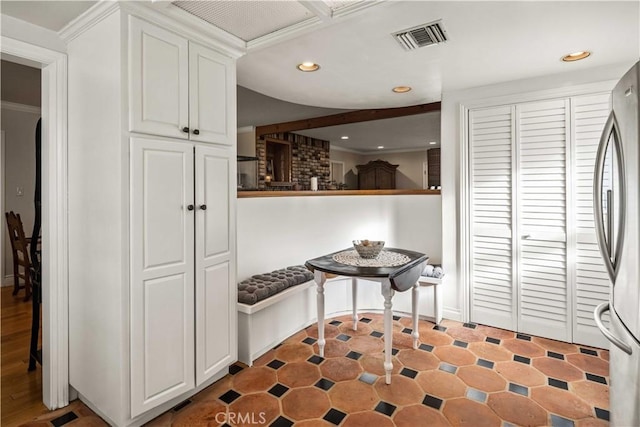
<point x="309" y="157"/>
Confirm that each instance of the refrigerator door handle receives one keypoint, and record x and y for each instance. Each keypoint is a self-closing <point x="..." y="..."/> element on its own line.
<point x="611" y="254"/>
<point x="597" y="315"/>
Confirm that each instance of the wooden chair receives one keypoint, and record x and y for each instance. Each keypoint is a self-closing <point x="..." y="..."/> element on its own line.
<point x="20" y="249"/>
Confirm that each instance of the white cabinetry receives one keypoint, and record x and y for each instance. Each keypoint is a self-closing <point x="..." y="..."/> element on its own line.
<point x="533" y="260"/>
<point x="180" y="216"/>
<point x="152" y="233"/>
<point x="179" y="88"/>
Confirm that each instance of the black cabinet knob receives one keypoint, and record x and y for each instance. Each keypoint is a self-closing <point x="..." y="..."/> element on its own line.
<point x="203" y="207"/>
<point x="185" y="129"/>
<point x="196" y="132"/>
<point x="190" y="207"/>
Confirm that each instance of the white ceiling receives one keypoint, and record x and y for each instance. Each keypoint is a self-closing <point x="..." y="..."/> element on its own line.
<point x="489" y="42"/>
<point x="52" y="15"/>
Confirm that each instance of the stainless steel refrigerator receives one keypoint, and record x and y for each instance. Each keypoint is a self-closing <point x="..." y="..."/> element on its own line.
<point x="617" y="214"/>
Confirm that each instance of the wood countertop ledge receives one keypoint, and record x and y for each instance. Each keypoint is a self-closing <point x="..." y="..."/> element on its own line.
<point x="304" y="193"/>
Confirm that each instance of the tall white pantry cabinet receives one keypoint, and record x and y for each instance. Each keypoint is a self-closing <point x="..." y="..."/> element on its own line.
<point x="152" y="146"/>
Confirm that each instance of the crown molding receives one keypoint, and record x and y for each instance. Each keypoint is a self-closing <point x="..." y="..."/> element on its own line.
<point x="168" y="16"/>
<point x="346" y="150"/>
<point x="23" y="108"/>
<point x="88" y="19"/>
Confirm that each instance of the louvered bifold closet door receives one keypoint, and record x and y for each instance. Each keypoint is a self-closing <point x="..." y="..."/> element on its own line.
<point x="592" y="282"/>
<point x="491" y="256"/>
<point x="544" y="306"/>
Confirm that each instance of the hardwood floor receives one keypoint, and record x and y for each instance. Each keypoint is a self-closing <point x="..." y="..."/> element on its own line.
<point x="21" y="391"/>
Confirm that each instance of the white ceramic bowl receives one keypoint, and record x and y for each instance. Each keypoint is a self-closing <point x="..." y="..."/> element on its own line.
<point x="368" y="248"/>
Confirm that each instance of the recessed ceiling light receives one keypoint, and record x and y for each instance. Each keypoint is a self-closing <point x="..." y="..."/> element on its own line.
<point x="308" y="66"/>
<point x="432" y="143"/>
<point x="401" y="89"/>
<point x="380" y="147"/>
<point x="344" y="137"/>
<point x="576" y="56"/>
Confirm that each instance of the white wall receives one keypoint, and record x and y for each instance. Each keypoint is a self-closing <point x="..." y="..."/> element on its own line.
<point x="350" y="160"/>
<point x="276" y="232"/>
<point x="19" y="172"/>
<point x="453" y="221"/>
<point x="247" y="141"/>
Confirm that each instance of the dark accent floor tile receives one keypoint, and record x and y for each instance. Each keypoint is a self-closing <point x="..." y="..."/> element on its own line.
<point x="324" y="384"/>
<point x="309" y="340"/>
<point x="335" y="323"/>
<point x="234" y="369"/>
<point x="64" y="419"/>
<point x="278" y="346"/>
<point x="368" y="378"/>
<point x="485" y="363"/>
<point x="588" y="351"/>
<point x="343" y="337"/>
<point x="432" y="402"/>
<point x="407" y="331"/>
<point x="376" y="334"/>
<point x="396" y="317"/>
<point x="410" y="373"/>
<point x="229" y="396"/>
<point x="316" y="359"/>
<point x="558" y="421"/>
<point x="276" y="364"/>
<point x="469" y="325"/>
<point x="334" y="416"/>
<point x="558" y="384"/>
<point x="555" y="355"/>
<point x="596" y="378"/>
<point x="281" y="422"/>
<point x="278" y="390"/>
<point x="448" y="368"/>
<point x="439" y="328"/>
<point x="394" y="351"/>
<point x="492" y="340"/>
<point x="426" y="347"/>
<point x="477" y="395"/>
<point x="181" y="405"/>
<point x="385" y="408"/>
<point x="459" y="343"/>
<point x="522" y="359"/>
<point x="603" y="414"/>
<point x="365" y="320"/>
<point x="519" y="389"/>
<point x="523" y="337"/>
<point x="354" y="355"/>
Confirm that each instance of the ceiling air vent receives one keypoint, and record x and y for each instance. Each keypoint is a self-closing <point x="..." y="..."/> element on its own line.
<point x="422" y="35"/>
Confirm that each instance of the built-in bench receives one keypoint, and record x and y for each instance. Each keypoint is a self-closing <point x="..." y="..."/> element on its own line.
<point x="266" y="323"/>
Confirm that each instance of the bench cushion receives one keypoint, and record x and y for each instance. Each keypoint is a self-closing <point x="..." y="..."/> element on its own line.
<point x="262" y="286"/>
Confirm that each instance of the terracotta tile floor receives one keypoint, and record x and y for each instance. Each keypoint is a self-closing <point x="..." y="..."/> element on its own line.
<point x="462" y="375"/>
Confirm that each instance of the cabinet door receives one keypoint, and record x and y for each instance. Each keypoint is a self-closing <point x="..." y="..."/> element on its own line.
<point x="215" y="268"/>
<point x="493" y="293"/>
<point x="592" y="281"/>
<point x="158" y="80"/>
<point x="385" y="179"/>
<point x="211" y="95"/>
<point x="162" y="269"/>
<point x="544" y="293"/>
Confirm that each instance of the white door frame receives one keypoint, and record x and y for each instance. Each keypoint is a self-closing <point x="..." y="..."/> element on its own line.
<point x="55" y="253"/>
